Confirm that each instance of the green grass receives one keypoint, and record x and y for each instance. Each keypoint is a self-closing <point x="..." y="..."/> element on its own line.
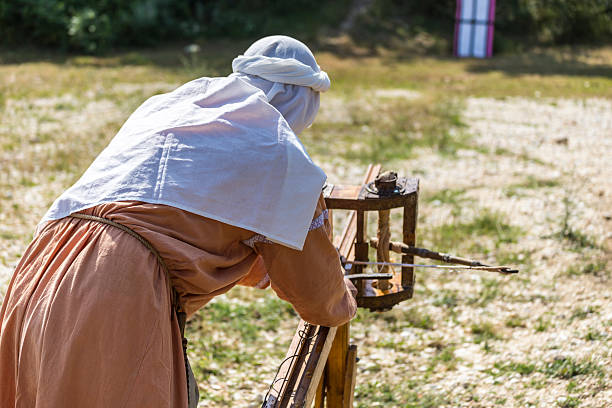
<point x="581" y="313"/>
<point x="452" y="197"/>
<point x="521" y="259"/>
<point x="596" y="268"/>
<point x="405" y="395"/>
<point x="530" y="183"/>
<point x="243" y="325"/>
<point x="490" y="291"/>
<point x="447" y="298"/>
<point x="572" y="386"/>
<point x="397" y="319"/>
<point x="577" y="239"/>
<point x="232" y="337"/>
<point x="568" y="402"/>
<point x="391" y="131"/>
<point x="542" y="324"/>
<point x="515" y="321"/>
<point x="374" y="392"/>
<point x="498" y="77"/>
<point x="594" y="335"/>
<point x="487" y="223"/>
<point x="415" y="318"/>
<point x="424" y="400"/>
<point x="7" y="235"/>
<point x="567" y="367"/>
<point x="445" y="357"/>
<point x="503" y="368"/>
<point x="564" y="368"/>
<point x="484" y="332"/>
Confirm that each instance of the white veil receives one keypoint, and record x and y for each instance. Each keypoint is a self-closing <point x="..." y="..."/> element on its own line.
<point x="224" y="148"/>
<point x="287" y="72"/>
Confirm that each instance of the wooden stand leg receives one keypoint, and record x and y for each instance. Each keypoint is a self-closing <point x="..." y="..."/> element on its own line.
<point x="349" y="376"/>
<point x="409" y="232"/>
<point x="340" y="373"/>
<point x="319" y="401"/>
<point x="336" y="367"/>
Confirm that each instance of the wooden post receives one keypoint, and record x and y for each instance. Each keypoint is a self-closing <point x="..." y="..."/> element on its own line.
<point x="336" y="368"/>
<point x="409" y="232"/>
<point x="319" y="401"/>
<point x="382" y="251"/>
<point x="340" y="371"/>
<point x="361" y="247"/>
<point x="350" y="376"/>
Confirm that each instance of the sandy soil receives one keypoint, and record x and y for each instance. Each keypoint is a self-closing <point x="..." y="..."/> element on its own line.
<point x="568" y="142"/>
<point x="560" y="315"/>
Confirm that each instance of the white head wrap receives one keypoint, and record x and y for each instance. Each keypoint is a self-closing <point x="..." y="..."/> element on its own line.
<point x="287" y="72"/>
<point x="283" y="59"/>
<point x="218" y="147"/>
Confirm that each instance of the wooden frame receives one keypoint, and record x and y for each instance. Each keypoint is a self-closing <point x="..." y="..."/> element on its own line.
<point x="301" y="379"/>
<point x="320" y="365"/>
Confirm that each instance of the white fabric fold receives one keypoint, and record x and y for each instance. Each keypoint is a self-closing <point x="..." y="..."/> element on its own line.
<point x="283" y="70"/>
<point x="287" y="72"/>
<point x="298" y="104"/>
<point x="214" y="147"/>
<point x="223" y="148"/>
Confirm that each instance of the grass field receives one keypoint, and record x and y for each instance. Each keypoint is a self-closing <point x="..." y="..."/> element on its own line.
<point x="514" y="156"/>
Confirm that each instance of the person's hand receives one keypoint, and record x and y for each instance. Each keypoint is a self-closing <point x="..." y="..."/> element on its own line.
<point x="351" y="287"/>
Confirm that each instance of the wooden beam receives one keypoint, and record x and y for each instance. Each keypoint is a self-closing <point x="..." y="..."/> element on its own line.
<point x="300" y="377"/>
<point x="305" y="334"/>
<point x="319" y="401"/>
<point x="350" y="376"/>
<point x="336" y="368"/>
<point x="335" y="371"/>
<point x="409" y="238"/>
<point x="301" y="370"/>
<point x="314" y="368"/>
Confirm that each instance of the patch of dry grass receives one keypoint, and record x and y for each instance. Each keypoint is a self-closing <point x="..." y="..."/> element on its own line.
<point x="511" y="153"/>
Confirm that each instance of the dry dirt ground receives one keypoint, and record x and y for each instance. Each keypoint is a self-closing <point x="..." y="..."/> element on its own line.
<point x="541" y="338"/>
<point x="533" y="188"/>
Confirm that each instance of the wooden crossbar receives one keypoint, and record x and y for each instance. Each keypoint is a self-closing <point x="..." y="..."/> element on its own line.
<point x="319" y="365"/>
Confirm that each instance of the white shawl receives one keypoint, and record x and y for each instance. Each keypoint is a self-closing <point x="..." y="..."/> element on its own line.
<point x="214" y="147"/>
<point x="223" y="148"/>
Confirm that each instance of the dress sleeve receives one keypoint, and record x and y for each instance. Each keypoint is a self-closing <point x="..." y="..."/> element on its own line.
<point x="257" y="277"/>
<point x="311" y="279"/>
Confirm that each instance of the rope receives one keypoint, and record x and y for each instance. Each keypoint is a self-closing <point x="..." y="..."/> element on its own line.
<point x="382" y="252"/>
<point x="147" y="244"/>
<point x="180" y="314"/>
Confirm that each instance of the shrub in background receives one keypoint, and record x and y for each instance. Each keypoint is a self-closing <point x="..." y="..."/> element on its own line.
<point x="93" y="25"/>
<point x="517" y="22"/>
<point x="556" y="21"/>
<point x="87" y="25"/>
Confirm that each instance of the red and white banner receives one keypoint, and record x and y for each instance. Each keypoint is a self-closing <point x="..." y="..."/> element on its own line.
<point x="474" y="28"/>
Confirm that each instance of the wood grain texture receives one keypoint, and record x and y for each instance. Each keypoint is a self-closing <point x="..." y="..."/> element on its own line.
<point x="335" y="370"/>
<point x="350" y="376"/>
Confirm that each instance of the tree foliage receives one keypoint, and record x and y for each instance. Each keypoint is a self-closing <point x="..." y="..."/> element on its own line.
<point x="536" y="21"/>
<point x="93" y="25"/>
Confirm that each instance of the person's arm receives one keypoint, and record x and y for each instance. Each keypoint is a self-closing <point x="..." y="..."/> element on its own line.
<point x="311" y="279"/>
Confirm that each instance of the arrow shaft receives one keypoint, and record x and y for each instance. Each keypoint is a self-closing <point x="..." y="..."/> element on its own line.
<point x="502" y="269"/>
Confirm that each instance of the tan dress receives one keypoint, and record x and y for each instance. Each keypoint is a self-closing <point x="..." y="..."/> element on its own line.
<point x="87" y="322"/>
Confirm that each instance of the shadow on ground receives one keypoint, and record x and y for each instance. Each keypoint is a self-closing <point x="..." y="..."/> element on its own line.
<point x="570" y="62"/>
<point x="216" y="55"/>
